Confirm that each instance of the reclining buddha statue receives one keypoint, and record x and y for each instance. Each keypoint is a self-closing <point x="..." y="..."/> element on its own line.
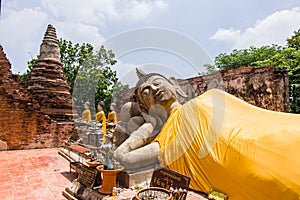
<point x="218" y="140"/>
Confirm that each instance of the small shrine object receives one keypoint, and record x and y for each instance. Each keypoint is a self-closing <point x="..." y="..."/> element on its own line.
<point x="217" y="195"/>
<point x="176" y="183"/>
<point x="89" y="176"/>
<point x="109" y="179"/>
<point x="153" y="193"/>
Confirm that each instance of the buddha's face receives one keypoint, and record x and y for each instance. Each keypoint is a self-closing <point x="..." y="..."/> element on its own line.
<point x="112" y="108"/>
<point x="156" y="90"/>
<point x="86" y="106"/>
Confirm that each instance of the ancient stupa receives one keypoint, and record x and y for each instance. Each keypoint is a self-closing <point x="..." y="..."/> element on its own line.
<point x="48" y="82"/>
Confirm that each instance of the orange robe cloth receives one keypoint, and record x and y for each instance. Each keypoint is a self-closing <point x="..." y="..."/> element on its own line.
<point x="100" y="117"/>
<point x="86" y="115"/>
<point x="112" y="117"/>
<point x="224" y="143"/>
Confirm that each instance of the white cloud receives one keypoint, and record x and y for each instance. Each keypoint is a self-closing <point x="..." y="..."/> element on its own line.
<point x="229" y="35"/>
<point x="161" y="4"/>
<point x="137" y="10"/>
<point x="22" y="34"/>
<point x="80" y="33"/>
<point x="274" y="29"/>
<point x="92" y="12"/>
<point x="97" y="11"/>
<point x="23" y="24"/>
<point x="126" y="72"/>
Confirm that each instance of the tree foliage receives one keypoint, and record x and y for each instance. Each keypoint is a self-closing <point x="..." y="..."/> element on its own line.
<point x="250" y="57"/>
<point x="294" y="41"/>
<point x="287" y="57"/>
<point x="95" y="80"/>
<point x="25" y="76"/>
<point x="72" y="57"/>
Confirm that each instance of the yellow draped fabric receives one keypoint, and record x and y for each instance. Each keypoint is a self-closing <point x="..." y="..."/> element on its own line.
<point x="100" y="117"/>
<point x="224" y="143"/>
<point x="86" y="115"/>
<point x="112" y="117"/>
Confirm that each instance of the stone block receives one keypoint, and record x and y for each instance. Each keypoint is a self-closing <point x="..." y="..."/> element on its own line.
<point x="128" y="179"/>
<point x="3" y="145"/>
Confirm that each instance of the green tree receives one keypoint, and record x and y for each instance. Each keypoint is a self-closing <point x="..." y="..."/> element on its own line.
<point x="293" y="44"/>
<point x="294" y="41"/>
<point x="72" y="57"/>
<point x="25" y="76"/>
<point x="95" y="80"/>
<point x="119" y="87"/>
<point x="250" y="57"/>
<point x="209" y="69"/>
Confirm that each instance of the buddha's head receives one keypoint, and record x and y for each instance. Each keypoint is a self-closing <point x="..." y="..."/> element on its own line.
<point x="86" y="105"/>
<point x="100" y="105"/>
<point x="154" y="89"/>
<point x="112" y="107"/>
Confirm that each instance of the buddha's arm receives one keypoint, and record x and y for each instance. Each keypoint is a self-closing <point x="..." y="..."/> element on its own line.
<point x="138" y="138"/>
<point x="141" y="157"/>
<point x="133" y="153"/>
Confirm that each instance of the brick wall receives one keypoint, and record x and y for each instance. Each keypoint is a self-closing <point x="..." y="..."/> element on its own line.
<point x="265" y="87"/>
<point x="24" y="123"/>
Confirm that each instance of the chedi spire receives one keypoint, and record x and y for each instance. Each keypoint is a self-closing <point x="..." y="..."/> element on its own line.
<point x="48" y="82"/>
<point x="49" y="48"/>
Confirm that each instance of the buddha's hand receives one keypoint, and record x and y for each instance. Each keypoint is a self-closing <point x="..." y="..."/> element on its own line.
<point x="137" y="139"/>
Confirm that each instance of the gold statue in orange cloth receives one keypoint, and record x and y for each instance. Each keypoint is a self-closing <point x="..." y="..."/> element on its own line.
<point x="86" y="114"/>
<point x="112" y="115"/>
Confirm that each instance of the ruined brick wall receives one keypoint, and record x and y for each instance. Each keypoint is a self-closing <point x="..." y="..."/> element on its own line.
<point x="16" y="108"/>
<point x="41" y="116"/>
<point x="265" y="87"/>
<point x="22" y="125"/>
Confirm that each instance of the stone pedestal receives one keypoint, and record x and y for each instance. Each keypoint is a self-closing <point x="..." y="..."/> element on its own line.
<point x="131" y="178"/>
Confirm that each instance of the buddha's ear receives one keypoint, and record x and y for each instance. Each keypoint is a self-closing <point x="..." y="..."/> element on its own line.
<point x="179" y="90"/>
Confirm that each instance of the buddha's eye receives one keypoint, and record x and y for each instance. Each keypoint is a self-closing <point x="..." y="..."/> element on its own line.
<point x="156" y="83"/>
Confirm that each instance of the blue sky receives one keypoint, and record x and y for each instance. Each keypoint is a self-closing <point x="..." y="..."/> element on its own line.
<point x="215" y="26"/>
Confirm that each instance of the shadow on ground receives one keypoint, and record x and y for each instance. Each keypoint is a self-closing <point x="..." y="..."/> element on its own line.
<point x="69" y="175"/>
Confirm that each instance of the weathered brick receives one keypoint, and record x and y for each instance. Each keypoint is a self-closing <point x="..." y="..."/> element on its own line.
<point x="34" y="118"/>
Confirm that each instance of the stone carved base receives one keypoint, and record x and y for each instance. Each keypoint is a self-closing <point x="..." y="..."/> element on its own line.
<point x="132" y="178"/>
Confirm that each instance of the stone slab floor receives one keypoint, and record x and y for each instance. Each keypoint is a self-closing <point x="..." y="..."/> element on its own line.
<point x="40" y="174"/>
